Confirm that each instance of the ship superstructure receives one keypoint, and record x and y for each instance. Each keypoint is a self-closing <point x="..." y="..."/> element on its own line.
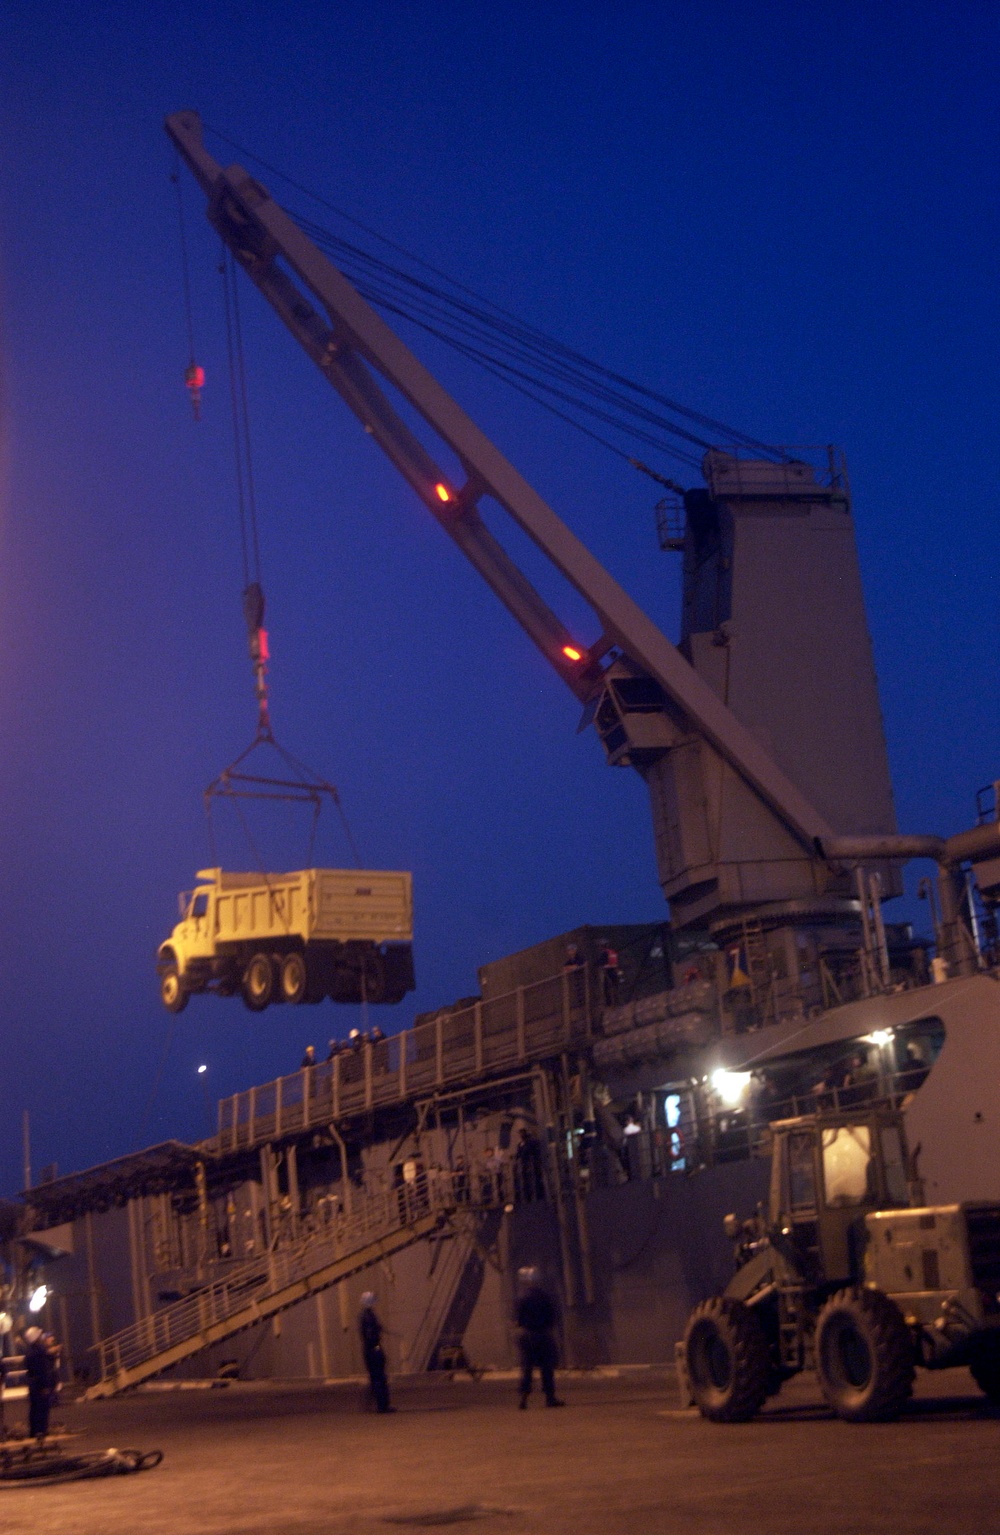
<point x="601" y="1100"/>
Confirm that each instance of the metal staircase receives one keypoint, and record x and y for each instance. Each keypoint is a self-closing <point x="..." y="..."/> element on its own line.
<point x="457" y="1276"/>
<point x="377" y="1225"/>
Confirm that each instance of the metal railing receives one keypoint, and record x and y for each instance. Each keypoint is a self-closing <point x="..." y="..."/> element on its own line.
<point x="361" y="1217"/>
<point x="700" y="1140"/>
<point x="485" y="1039"/>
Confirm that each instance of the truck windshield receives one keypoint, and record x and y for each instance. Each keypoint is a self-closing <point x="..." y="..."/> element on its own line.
<point x="801" y="1173"/>
<point x="847" y="1165"/>
<point x="199" y="904"/>
<point x="896" y="1187"/>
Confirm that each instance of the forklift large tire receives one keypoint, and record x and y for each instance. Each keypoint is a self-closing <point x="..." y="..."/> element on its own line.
<point x="984" y="1362"/>
<point x="258" y="983"/>
<point x="173" y="993"/>
<point x="864" y="1356"/>
<point x="728" y="1360"/>
<point x="293" y="978"/>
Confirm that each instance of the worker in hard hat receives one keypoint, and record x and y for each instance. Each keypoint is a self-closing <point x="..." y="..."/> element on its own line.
<point x="536" y="1320"/>
<point x="41" y="1365"/>
<point x="371" y="1346"/>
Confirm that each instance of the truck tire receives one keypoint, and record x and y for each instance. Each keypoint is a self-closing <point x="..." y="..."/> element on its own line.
<point x="258" y="983"/>
<point x="375" y="978"/>
<point x="984" y="1362"/>
<point x="864" y="1356"/>
<point x="173" y="993"/>
<point x="293" y="979"/>
<point x="728" y="1360"/>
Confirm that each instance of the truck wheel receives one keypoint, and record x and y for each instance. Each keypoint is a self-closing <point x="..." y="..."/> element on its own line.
<point x="375" y="977"/>
<point x="984" y="1363"/>
<point x="728" y="1360"/>
<point x="172" y="991"/>
<point x="864" y="1356"/>
<point x="293" y="979"/>
<point x="258" y="983"/>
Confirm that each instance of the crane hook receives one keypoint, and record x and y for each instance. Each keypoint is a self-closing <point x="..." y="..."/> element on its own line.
<point x="253" y="613"/>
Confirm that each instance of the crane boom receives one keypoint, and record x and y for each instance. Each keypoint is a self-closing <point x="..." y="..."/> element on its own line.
<point x="350" y="343"/>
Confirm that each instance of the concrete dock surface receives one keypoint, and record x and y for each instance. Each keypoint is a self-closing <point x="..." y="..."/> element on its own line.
<point x="620" y="1459"/>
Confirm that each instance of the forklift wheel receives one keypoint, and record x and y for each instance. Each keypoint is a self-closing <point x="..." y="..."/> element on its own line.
<point x="985" y="1365"/>
<point x="864" y="1356"/>
<point x="728" y="1360"/>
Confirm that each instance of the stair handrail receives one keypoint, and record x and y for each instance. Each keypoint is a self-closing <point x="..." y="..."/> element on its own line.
<point x="374" y="1213"/>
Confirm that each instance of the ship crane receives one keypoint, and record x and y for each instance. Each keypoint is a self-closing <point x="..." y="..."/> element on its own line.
<point x="736" y="836"/>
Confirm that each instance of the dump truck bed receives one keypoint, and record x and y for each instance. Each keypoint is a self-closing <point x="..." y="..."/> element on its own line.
<point x="343" y="905"/>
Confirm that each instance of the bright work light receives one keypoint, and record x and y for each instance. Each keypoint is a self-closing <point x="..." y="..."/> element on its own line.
<point x="731" y="1086"/>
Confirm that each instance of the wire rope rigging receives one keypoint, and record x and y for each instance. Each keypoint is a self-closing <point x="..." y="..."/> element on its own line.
<point x="294" y="782"/>
<point x="613" y="410"/>
<point x="194" y="374"/>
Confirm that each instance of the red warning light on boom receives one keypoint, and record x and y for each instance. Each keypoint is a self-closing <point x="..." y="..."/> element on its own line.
<point x="194" y="378"/>
<point x="571" y="653"/>
<point x="442" y="492"/>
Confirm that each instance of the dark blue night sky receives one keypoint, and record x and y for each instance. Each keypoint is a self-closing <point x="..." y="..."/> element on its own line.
<point x="783" y="215"/>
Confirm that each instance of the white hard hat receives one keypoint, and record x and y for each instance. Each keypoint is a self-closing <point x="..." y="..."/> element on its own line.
<point x="32" y="1334"/>
<point x="368" y="1299"/>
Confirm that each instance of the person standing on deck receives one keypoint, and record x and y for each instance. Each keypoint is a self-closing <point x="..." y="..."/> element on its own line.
<point x="611" y="976"/>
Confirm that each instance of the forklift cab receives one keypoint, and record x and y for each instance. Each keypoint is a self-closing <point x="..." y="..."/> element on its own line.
<point x="828" y="1171"/>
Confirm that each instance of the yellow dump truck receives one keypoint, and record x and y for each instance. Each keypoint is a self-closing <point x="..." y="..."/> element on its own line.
<point x="340" y="933"/>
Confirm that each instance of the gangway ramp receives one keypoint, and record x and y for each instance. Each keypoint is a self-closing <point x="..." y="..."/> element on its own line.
<point x="377" y="1225"/>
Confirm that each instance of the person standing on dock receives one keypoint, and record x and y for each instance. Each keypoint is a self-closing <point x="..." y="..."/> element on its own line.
<point x="41" y="1365"/>
<point x="371" y="1346"/>
<point x="536" y="1320"/>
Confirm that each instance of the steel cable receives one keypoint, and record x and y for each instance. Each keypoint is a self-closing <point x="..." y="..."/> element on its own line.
<point x="519" y="339"/>
<point x="494" y="314"/>
<point x="47" y="1470"/>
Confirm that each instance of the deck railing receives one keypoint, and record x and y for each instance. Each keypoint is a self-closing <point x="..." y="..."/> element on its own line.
<point x="482" y="1040"/>
<point x="697" y="1139"/>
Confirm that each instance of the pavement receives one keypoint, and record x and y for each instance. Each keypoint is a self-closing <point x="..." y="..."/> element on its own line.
<point x="621" y="1459"/>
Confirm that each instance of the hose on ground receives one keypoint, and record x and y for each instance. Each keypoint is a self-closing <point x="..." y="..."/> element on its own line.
<point x="45" y="1470"/>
